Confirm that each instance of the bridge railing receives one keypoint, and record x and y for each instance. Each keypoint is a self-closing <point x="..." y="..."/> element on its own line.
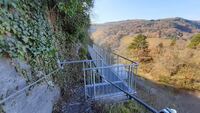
<point x="112" y="59"/>
<point x="95" y="80"/>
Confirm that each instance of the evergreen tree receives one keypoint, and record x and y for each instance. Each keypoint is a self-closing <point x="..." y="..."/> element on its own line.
<point x="195" y="41"/>
<point x="139" y="42"/>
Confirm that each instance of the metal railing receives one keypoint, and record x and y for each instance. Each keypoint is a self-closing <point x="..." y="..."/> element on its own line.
<point x="95" y="87"/>
<point x="27" y="87"/>
<point x="95" y="80"/>
<point x="148" y="107"/>
<point x="112" y="59"/>
<point x="45" y="77"/>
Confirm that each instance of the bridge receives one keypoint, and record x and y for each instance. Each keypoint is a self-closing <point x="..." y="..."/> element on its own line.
<point x="109" y="75"/>
<point x="105" y="69"/>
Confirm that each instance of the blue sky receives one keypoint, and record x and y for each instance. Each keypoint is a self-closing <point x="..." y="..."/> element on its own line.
<point x="116" y="10"/>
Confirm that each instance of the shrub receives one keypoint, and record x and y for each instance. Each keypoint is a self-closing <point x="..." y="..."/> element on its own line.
<point x="195" y="41"/>
<point x="173" y="42"/>
<point x="127" y="107"/>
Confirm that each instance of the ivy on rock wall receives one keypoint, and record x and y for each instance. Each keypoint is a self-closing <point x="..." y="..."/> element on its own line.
<point x="41" y="31"/>
<point x="73" y="17"/>
<point x="25" y="34"/>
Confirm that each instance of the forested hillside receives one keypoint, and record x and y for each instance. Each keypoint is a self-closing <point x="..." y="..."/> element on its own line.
<point x="167" y="49"/>
<point x="169" y="28"/>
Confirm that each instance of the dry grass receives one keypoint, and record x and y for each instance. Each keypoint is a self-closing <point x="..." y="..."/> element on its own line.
<point x="124" y="107"/>
<point x="176" y="65"/>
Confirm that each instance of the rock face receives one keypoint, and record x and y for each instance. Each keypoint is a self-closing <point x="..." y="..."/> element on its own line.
<point x="38" y="99"/>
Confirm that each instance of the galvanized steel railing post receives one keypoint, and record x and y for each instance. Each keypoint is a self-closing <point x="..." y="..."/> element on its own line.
<point x="93" y="74"/>
<point x="129" y="77"/>
<point x="90" y="77"/>
<point x="85" y="81"/>
<point x="136" y="69"/>
<point x="132" y="76"/>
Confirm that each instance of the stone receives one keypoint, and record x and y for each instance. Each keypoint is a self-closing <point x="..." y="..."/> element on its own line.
<point x="38" y="99"/>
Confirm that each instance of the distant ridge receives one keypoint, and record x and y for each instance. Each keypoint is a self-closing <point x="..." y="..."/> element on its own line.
<point x="161" y="28"/>
<point x="172" y="18"/>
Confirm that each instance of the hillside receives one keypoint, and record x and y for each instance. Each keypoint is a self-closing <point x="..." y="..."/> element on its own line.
<point x="163" y="28"/>
<point x="168" y="59"/>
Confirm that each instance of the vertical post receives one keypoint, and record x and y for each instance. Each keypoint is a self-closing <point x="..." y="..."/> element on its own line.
<point x="102" y="74"/>
<point x="106" y="75"/>
<point x="90" y="66"/>
<point x="121" y="70"/>
<point x="96" y="58"/>
<point x="110" y="60"/>
<point x="129" y="77"/>
<point x="105" y="59"/>
<point x="93" y="73"/>
<point x="117" y="59"/>
<point x="131" y="74"/>
<point x="136" y="67"/>
<point x="102" y="91"/>
<point x="110" y="78"/>
<point x="85" y="82"/>
<point x="118" y="65"/>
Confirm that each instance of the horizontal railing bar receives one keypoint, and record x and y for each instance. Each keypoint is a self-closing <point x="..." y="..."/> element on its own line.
<point x="125" y="58"/>
<point x="118" y="55"/>
<point x="121" y="65"/>
<point x="102" y="84"/>
<point x="153" y="110"/>
<point x="23" y="89"/>
<point x="109" y="95"/>
<point x="79" y="61"/>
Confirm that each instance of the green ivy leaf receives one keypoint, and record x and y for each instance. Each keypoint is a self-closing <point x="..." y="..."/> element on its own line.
<point x="25" y="39"/>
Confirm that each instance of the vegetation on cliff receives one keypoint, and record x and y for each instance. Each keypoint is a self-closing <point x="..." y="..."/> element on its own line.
<point x="40" y="32"/>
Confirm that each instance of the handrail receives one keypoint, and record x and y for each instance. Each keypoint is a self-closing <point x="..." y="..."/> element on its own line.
<point x="153" y="110"/>
<point x="148" y="107"/>
<point x="125" y="58"/>
<point x="23" y="89"/>
<point x="120" y="65"/>
<point x="117" y="55"/>
<point x="78" y="61"/>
